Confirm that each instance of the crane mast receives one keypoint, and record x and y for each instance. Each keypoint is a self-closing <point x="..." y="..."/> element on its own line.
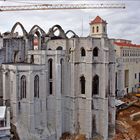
<point x="60" y="7"/>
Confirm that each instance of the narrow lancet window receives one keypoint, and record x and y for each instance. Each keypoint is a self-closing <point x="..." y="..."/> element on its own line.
<point x="36" y="86"/>
<point x="95" y="85"/>
<point x="23" y="87"/>
<point x="82" y="81"/>
<point x="83" y="52"/>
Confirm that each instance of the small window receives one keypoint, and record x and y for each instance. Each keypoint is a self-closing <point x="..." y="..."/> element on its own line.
<point x="95" y="52"/>
<point x="19" y="107"/>
<point x="50" y="88"/>
<point x="32" y="59"/>
<point x="94" y="126"/>
<point x="50" y="68"/>
<point x="93" y="29"/>
<point x="97" y="29"/>
<point x="62" y="72"/>
<point x="83" y="52"/>
<point x="36" y="86"/>
<point x="95" y="85"/>
<point x="82" y="81"/>
<point x="135" y="76"/>
<point x="59" y="48"/>
<point x="23" y="87"/>
<point x="16" y="56"/>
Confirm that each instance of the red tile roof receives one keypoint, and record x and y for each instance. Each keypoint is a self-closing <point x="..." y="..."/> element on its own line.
<point x="97" y="20"/>
<point x="124" y="44"/>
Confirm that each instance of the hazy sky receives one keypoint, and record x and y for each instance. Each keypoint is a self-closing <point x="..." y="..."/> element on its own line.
<point x="122" y="23"/>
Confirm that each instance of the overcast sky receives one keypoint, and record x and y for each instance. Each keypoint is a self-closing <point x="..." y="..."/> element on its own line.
<point x="122" y="23"/>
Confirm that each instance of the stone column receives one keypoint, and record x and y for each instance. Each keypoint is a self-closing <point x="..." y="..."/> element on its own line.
<point x="73" y="117"/>
<point x="4" y="86"/>
<point x="43" y="95"/>
<point x="111" y="98"/>
<point x="58" y="100"/>
<point x="30" y="101"/>
<point x="88" y="111"/>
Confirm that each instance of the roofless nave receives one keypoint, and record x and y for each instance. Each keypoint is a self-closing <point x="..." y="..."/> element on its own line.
<point x="56" y="84"/>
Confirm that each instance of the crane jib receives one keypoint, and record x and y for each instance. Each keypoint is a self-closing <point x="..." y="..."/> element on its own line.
<point x="61" y="6"/>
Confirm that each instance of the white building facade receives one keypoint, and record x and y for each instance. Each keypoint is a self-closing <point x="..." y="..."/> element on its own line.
<point x="127" y="67"/>
<point x="55" y="84"/>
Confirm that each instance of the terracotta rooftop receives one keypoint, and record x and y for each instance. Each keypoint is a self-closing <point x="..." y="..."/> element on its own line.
<point x="98" y="20"/>
<point x="124" y="44"/>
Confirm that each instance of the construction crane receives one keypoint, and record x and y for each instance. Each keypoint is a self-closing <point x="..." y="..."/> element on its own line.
<point x="60" y="7"/>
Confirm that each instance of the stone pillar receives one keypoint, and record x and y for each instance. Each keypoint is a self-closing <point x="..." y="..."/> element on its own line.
<point x="43" y="97"/>
<point x="112" y="108"/>
<point x="30" y="101"/>
<point x="58" y="101"/>
<point x="102" y="81"/>
<point x="88" y="111"/>
<point x="13" y="94"/>
<point x="4" y="86"/>
<point x="102" y="100"/>
<point x="27" y="47"/>
<point x="73" y="122"/>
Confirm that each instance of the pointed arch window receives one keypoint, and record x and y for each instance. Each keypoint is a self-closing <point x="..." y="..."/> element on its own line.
<point x="82" y="82"/>
<point x="36" y="86"/>
<point x="23" y="87"/>
<point x="95" y="52"/>
<point x="83" y="52"/>
<point x="95" y="85"/>
<point x="50" y="68"/>
<point x="62" y="72"/>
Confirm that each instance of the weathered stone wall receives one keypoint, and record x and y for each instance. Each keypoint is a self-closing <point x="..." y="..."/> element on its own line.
<point x="29" y="112"/>
<point x="15" y="50"/>
<point x="66" y="109"/>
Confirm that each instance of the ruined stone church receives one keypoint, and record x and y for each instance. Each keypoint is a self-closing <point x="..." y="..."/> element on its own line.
<point x="59" y="83"/>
